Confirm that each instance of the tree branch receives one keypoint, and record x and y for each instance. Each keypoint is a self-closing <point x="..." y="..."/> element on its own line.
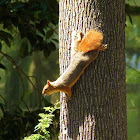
<point x="19" y="70"/>
<point x="133" y="69"/>
<point x="132" y="10"/>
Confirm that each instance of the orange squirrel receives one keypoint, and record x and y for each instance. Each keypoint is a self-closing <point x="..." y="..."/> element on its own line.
<point x="84" y="50"/>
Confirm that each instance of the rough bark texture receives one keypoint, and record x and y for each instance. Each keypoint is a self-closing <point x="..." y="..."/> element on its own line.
<point x="97" y="109"/>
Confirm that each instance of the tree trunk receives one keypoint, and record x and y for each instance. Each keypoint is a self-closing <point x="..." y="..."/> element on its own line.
<point x="97" y="108"/>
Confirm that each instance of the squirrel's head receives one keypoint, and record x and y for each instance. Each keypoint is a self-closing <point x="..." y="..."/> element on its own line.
<point x="48" y="88"/>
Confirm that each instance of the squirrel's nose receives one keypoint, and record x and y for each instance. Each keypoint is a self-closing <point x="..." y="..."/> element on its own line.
<point x="44" y="90"/>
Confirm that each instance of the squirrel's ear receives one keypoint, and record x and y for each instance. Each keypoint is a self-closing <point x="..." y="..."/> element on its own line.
<point x="48" y="82"/>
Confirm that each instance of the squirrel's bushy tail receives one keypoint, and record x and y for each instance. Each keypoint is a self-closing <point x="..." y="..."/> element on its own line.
<point x="91" y="41"/>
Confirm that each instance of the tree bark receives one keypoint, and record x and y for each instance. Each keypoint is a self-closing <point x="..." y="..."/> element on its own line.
<point x="97" y="108"/>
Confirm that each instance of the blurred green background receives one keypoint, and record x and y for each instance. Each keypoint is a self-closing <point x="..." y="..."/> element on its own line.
<point x="132" y="37"/>
<point x="40" y="66"/>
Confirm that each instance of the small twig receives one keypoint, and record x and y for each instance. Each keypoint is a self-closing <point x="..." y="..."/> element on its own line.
<point x="36" y="88"/>
<point x="54" y="29"/>
<point x="133" y="69"/>
<point x="36" y="82"/>
<point x="17" y="68"/>
<point x="134" y="2"/>
<point x="4" y="101"/>
<point x="1" y="58"/>
<point x="16" y="31"/>
<point x="28" y="79"/>
<point x="26" y="105"/>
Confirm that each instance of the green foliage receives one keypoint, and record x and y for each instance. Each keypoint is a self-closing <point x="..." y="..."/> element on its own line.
<point x="133" y="33"/>
<point x="44" y="123"/>
<point x="34" y="21"/>
<point x="133" y="76"/>
<point x="26" y="26"/>
<point x="6" y="37"/>
<point x="133" y="2"/>
<point x="133" y="115"/>
<point x="133" y="73"/>
<point x="35" y="137"/>
<point x="16" y="125"/>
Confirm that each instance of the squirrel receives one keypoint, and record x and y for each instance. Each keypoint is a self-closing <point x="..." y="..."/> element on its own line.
<point x="84" y="50"/>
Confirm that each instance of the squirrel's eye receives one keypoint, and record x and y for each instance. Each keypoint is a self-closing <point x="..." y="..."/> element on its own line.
<point x="45" y="89"/>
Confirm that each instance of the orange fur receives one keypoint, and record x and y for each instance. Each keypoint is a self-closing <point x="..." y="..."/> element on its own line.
<point x="91" y="41"/>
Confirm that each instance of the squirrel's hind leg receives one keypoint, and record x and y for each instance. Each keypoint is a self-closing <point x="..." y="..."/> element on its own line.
<point x="76" y="39"/>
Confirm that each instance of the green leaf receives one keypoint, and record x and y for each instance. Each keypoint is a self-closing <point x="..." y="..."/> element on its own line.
<point x="6" y="37"/>
<point x="48" y="49"/>
<point x="40" y="28"/>
<point x="56" y="40"/>
<point x="47" y="108"/>
<point x="2" y="67"/>
<point x="49" y="33"/>
<point x="17" y="6"/>
<point x="31" y="36"/>
<point x="23" y="51"/>
<point x="37" y="14"/>
<point x="35" y="137"/>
